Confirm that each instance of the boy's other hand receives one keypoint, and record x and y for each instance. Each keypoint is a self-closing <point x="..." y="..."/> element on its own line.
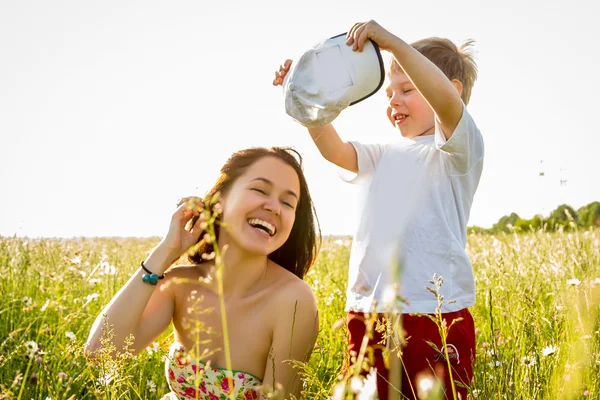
<point x="283" y="70"/>
<point x="361" y="31"/>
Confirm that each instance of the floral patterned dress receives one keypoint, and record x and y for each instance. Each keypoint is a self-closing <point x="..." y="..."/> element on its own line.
<point x="192" y="379"/>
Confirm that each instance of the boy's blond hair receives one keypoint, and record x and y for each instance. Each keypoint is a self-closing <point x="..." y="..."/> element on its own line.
<point x="456" y="63"/>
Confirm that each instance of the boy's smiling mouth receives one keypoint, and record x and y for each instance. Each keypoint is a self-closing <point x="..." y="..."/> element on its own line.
<point x="399" y="118"/>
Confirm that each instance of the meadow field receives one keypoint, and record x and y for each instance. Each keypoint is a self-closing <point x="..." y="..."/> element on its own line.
<point x="537" y="318"/>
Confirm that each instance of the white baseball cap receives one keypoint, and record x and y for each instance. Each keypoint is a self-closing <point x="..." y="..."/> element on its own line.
<point x="330" y="77"/>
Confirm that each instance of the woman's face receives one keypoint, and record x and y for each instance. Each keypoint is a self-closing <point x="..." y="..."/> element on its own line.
<point x="260" y="207"/>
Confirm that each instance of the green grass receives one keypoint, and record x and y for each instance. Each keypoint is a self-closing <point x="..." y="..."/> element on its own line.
<point x="537" y="318"/>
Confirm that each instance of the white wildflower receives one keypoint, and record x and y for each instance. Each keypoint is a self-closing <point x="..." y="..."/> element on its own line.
<point x="356" y="384"/>
<point x="329" y="299"/>
<point x="151" y="385"/>
<point x="77" y="271"/>
<point x="528" y="361"/>
<point x="46" y="304"/>
<point x="338" y="391"/>
<point x="89" y="298"/>
<point x="76" y="260"/>
<point x="495" y="364"/>
<point x="106" y="378"/>
<point x="93" y="281"/>
<point x="596" y="282"/>
<point x="27" y="301"/>
<point x="369" y="389"/>
<point x="71" y="336"/>
<point x="107" y="268"/>
<point x="153" y="349"/>
<point x="573" y="282"/>
<point x="32" y="347"/>
<point x="424" y="387"/>
<point x="548" y="350"/>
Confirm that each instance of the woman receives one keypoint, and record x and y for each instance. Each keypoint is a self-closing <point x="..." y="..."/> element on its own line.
<point x="267" y="224"/>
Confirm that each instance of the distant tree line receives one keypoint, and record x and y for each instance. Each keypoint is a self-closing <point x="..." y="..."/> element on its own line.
<point x="564" y="217"/>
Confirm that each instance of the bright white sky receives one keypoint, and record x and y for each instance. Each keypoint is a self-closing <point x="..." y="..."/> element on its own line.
<point x="110" y="111"/>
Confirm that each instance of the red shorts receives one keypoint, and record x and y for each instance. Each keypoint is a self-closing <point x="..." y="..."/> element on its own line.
<point x="418" y="356"/>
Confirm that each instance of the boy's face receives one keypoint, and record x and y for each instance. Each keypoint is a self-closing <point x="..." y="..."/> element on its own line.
<point x="407" y="110"/>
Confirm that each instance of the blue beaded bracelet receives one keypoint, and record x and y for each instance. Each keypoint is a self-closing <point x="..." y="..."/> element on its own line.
<point x="150" y="277"/>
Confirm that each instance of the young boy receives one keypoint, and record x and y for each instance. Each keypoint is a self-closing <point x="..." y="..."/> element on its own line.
<point x="430" y="82"/>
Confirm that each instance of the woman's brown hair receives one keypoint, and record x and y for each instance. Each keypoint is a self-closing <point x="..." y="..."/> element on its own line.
<point x="298" y="253"/>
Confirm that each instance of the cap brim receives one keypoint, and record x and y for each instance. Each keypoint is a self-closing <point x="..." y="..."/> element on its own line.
<point x="377" y="51"/>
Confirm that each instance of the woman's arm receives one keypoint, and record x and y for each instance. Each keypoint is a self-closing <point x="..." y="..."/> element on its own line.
<point x="295" y="332"/>
<point x="139" y="308"/>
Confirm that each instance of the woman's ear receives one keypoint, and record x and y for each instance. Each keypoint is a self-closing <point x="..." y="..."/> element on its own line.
<point x="222" y="200"/>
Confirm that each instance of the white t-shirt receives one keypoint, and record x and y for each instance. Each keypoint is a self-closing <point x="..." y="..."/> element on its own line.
<point x="417" y="204"/>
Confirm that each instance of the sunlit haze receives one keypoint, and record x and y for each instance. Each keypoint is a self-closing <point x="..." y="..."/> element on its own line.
<point x="110" y="111"/>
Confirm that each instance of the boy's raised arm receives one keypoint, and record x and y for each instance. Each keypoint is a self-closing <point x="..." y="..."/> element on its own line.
<point x="329" y="143"/>
<point x="333" y="148"/>
<point x="442" y="95"/>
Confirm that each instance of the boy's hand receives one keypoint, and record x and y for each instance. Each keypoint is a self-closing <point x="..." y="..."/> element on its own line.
<point x="283" y="70"/>
<point x="362" y="31"/>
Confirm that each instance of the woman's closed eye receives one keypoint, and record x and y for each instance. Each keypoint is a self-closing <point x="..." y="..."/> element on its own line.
<point x="288" y="204"/>
<point x="264" y="192"/>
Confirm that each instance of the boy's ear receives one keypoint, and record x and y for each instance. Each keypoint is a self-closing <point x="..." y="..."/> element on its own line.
<point x="458" y="86"/>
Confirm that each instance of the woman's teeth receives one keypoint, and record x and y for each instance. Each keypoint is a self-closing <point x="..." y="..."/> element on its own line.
<point x="264" y="225"/>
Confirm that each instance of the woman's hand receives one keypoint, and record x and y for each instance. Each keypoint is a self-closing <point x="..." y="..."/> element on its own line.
<point x="283" y="70"/>
<point x="182" y="235"/>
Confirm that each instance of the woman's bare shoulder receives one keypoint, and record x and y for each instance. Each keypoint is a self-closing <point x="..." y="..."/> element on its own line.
<point x="180" y="269"/>
<point x="290" y="289"/>
<point x="183" y="273"/>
